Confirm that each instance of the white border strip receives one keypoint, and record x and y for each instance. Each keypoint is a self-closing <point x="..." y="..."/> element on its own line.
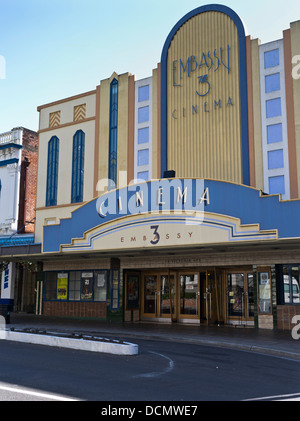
<point x="124" y="348"/>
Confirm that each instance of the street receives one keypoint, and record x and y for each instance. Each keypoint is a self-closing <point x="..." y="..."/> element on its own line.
<point x="163" y="371"/>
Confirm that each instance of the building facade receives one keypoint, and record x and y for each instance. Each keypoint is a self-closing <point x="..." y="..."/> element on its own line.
<point x="175" y="198"/>
<point x="18" y="181"/>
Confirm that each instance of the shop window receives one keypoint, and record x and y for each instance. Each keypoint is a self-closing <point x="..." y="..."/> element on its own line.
<point x="271" y="58"/>
<point x="115" y="290"/>
<point x="143" y="135"/>
<point x="52" y="171"/>
<point x="100" y="286"/>
<point x="274" y="133"/>
<point x="113" y="134"/>
<point x="62" y="286"/>
<point x="276" y="185"/>
<point x="290" y="278"/>
<point x="275" y="159"/>
<point x="264" y="292"/>
<point x="78" y="167"/>
<point x="273" y="108"/>
<point x="50" y="286"/>
<point x="143" y="157"/>
<point x="143" y="114"/>
<point x="144" y="93"/>
<point x="76" y="286"/>
<point x="272" y="83"/>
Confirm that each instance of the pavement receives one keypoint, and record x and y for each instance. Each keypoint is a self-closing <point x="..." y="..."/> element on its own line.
<point x="276" y="343"/>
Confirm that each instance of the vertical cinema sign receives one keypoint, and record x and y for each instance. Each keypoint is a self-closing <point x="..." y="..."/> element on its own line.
<point x="204" y="108"/>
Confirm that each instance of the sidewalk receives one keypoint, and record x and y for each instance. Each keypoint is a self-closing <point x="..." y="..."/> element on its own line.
<point x="249" y="339"/>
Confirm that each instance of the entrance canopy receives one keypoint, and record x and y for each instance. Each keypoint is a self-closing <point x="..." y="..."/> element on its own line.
<point x="174" y="212"/>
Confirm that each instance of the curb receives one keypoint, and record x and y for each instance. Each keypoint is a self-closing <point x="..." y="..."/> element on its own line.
<point x="101" y="345"/>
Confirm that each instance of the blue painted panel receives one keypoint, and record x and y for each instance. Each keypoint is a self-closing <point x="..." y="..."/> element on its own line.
<point x="143" y="175"/>
<point x="272" y="83"/>
<point x="274" y="133"/>
<point x="143" y="114"/>
<point x="276" y="185"/>
<point x="144" y="93"/>
<point x="143" y="135"/>
<point x="230" y="199"/>
<point x="275" y="159"/>
<point x="8" y="162"/>
<point x="271" y="58"/>
<point x="273" y="108"/>
<point x="143" y="157"/>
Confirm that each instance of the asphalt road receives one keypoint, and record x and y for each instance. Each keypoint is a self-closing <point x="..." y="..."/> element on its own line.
<point x="162" y="372"/>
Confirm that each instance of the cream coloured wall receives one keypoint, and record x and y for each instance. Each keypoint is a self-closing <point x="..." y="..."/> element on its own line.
<point x="65" y="132"/>
<point x="104" y="121"/>
<point x="295" y="37"/>
<point x="67" y="109"/>
<point x="50" y="216"/>
<point x="65" y="136"/>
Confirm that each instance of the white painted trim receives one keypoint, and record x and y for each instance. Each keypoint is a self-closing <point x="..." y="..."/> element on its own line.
<point x="276" y="120"/>
<point x="125" y="348"/>
<point x="137" y="147"/>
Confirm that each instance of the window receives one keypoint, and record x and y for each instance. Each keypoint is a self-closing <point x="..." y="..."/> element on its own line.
<point x="86" y="286"/>
<point x="144" y="175"/>
<point x="144" y="93"/>
<point x="276" y="185"/>
<point x="100" y="286"/>
<point x="271" y="58"/>
<point x="274" y="133"/>
<point x="143" y="135"/>
<point x="52" y="171"/>
<point x="143" y="157"/>
<point x="50" y="287"/>
<point x="273" y="108"/>
<point x="76" y="286"/>
<point x="264" y="292"/>
<point x="113" y="135"/>
<point x="275" y="159"/>
<point x="290" y="278"/>
<point x="78" y="167"/>
<point x="272" y="83"/>
<point x="143" y="114"/>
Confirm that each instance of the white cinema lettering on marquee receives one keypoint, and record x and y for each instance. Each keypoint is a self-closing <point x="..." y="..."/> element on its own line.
<point x="117" y="207"/>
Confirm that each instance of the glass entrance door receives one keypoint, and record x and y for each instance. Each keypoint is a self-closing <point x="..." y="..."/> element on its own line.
<point x="167" y="296"/>
<point x="189" y="296"/>
<point x="150" y="295"/>
<point x="240" y="298"/>
<point x="159" y="295"/>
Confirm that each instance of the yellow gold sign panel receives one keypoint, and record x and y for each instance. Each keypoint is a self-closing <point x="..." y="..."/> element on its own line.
<point x="204" y="133"/>
<point x="173" y="229"/>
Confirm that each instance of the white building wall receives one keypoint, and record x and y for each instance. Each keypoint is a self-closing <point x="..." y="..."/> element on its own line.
<point x="270" y="174"/>
<point x="10" y="170"/>
<point x="143" y="103"/>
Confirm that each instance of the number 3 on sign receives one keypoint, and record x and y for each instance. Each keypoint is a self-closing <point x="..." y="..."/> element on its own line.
<point x="156" y="235"/>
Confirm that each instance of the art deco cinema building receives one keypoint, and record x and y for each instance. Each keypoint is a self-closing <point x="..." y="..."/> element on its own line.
<point x="175" y="198"/>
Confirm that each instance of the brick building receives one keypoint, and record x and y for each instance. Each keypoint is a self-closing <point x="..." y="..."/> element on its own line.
<point x="18" y="183"/>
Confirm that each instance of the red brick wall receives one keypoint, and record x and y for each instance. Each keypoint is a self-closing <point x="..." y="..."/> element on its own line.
<point x="28" y="181"/>
<point x="285" y="315"/>
<point x="75" y="309"/>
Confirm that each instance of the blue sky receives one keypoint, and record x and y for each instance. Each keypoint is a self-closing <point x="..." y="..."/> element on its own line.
<point x="58" y="48"/>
